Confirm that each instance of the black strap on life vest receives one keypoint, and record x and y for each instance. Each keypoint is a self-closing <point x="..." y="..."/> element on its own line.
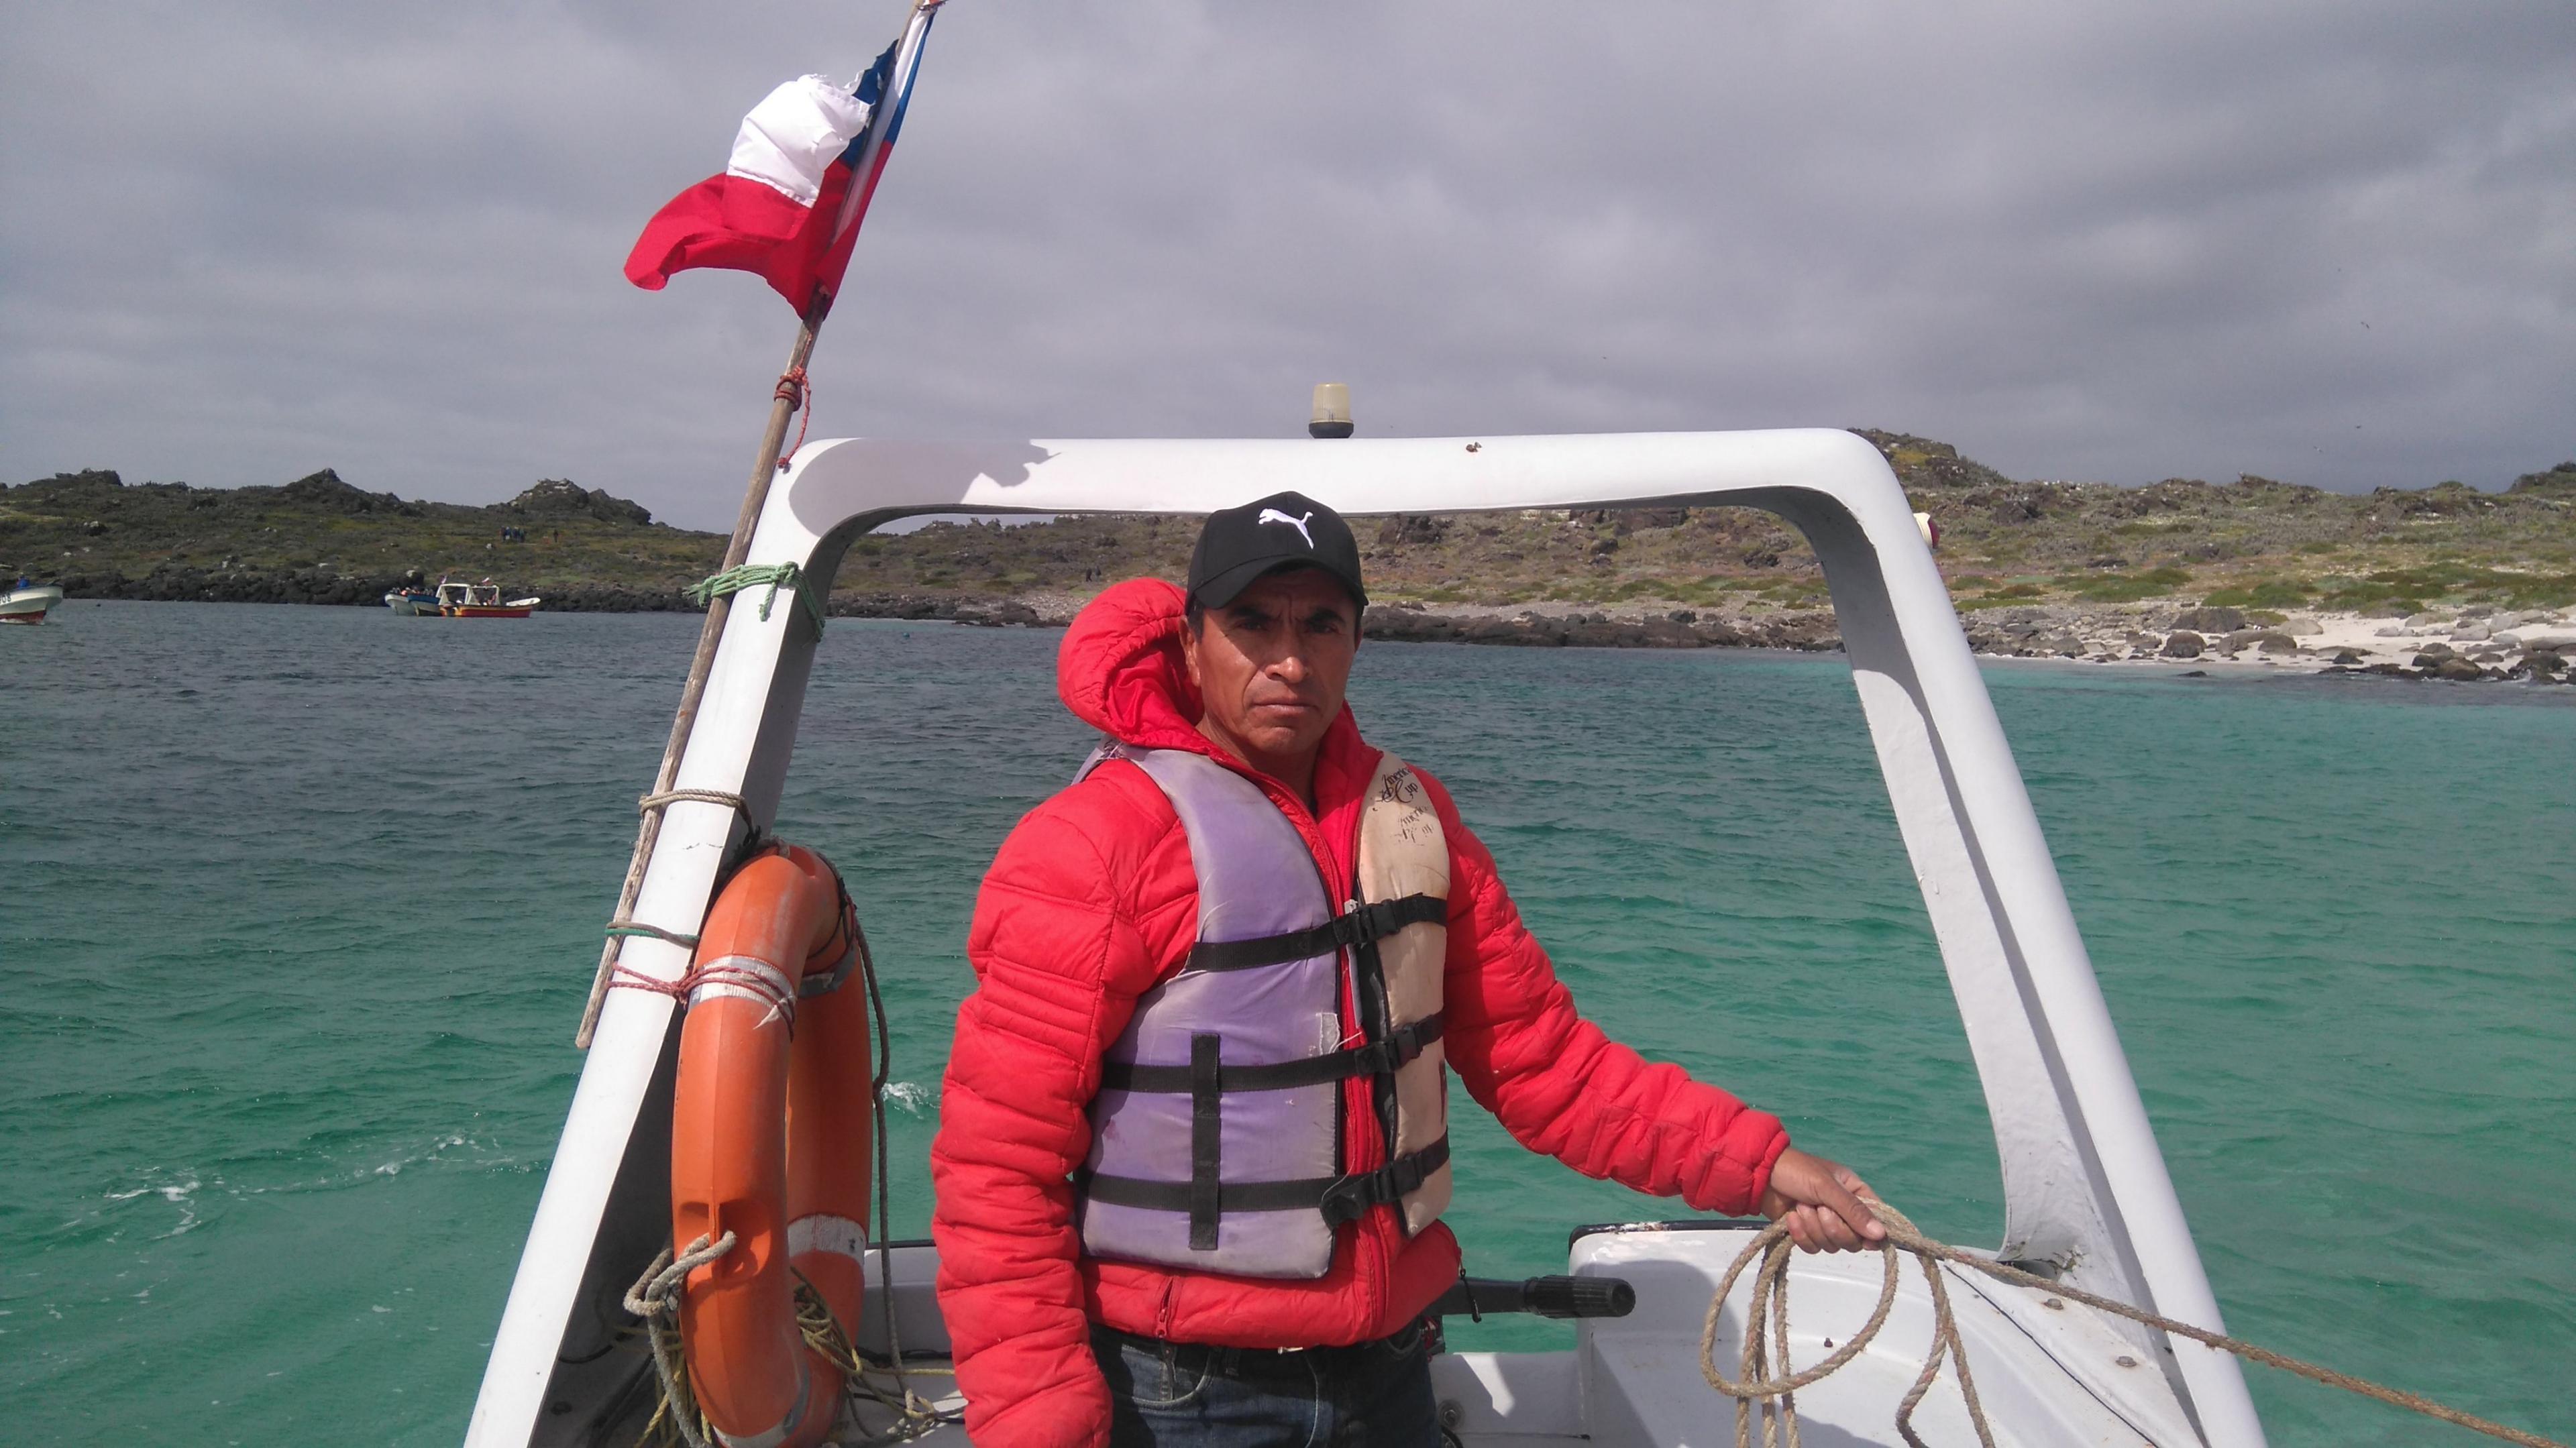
<point x="1402" y="1045"/>
<point x="1341" y="1199"/>
<point x="1207" y="1080"/>
<point x="1207" y="1141"/>
<point x="1369" y="922"/>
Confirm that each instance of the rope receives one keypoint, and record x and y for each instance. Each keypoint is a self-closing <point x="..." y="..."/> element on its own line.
<point x="752" y="575"/>
<point x="646" y="804"/>
<point x="624" y="929"/>
<point x="658" y="1289"/>
<point x="822" y="1333"/>
<point x="613" y="970"/>
<point x="1775" y="1396"/>
<point x="749" y="981"/>
<point x="655" y="1297"/>
<point x="912" y="1405"/>
<point x="794" y="387"/>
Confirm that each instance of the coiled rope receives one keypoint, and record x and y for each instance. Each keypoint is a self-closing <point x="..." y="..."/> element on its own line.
<point x="655" y="1297"/>
<point x="1766" y="1333"/>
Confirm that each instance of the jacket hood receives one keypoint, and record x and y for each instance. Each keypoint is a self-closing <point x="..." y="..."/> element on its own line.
<point x="1120" y="669"/>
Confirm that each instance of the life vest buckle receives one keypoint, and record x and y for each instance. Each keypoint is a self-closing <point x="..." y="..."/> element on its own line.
<point x="1380" y="919"/>
<point x="1400" y="1046"/>
<point x="1348" y="1199"/>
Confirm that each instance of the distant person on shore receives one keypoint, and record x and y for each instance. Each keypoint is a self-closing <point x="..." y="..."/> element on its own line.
<point x="1193" y="1145"/>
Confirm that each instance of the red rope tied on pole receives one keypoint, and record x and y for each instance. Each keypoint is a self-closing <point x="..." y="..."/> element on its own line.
<point x="749" y="981"/>
<point x="794" y="389"/>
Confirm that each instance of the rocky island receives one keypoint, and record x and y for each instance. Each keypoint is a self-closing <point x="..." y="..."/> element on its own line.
<point x="2444" y="582"/>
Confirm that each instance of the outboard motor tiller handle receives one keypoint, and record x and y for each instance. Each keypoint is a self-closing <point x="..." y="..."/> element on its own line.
<point x="1545" y="1296"/>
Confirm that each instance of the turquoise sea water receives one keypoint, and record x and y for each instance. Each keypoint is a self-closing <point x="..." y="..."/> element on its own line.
<point x="302" y="904"/>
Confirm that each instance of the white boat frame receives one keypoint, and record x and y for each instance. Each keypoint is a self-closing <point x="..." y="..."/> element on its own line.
<point x="2085" y="1188"/>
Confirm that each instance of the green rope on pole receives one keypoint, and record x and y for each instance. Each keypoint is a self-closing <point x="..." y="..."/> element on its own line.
<point x="626" y="928"/>
<point x="753" y="575"/>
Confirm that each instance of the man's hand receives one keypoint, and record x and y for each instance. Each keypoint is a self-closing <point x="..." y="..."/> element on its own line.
<point x="1819" y="1200"/>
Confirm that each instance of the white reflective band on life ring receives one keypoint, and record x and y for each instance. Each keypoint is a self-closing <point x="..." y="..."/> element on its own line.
<point x="744" y="977"/>
<point x="825" y="1233"/>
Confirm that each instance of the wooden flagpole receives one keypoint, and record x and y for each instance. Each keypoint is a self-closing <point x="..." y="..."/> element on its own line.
<point x="791" y="395"/>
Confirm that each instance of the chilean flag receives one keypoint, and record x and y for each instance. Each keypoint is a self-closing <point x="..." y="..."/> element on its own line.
<point x="804" y="166"/>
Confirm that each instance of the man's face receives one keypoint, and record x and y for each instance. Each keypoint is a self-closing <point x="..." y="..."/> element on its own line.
<point x="1272" y="664"/>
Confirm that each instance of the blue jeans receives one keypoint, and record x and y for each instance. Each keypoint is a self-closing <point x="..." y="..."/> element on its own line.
<point x="1183" y="1395"/>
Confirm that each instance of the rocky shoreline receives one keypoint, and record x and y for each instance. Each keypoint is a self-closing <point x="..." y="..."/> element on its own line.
<point x="1545" y="625"/>
<point x="2472" y="643"/>
<point x="183" y="584"/>
<point x="2466" y="644"/>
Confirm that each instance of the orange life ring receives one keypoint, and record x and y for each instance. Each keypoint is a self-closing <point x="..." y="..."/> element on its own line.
<point x="770" y="1140"/>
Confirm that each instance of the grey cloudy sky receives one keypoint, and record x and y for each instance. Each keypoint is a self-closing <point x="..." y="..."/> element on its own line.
<point x="2329" y="242"/>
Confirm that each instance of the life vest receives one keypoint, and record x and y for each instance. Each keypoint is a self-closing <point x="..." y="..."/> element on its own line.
<point x="1216" y="1135"/>
<point x="770" y="1141"/>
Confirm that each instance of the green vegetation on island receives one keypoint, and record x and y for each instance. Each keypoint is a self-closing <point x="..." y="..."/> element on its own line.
<point x="2252" y="544"/>
<point x="320" y="540"/>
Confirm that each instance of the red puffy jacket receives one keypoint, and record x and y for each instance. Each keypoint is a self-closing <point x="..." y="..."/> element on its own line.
<point x="1091" y="903"/>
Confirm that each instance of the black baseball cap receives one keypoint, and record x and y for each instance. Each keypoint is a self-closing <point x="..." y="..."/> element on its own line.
<point x="1284" y="530"/>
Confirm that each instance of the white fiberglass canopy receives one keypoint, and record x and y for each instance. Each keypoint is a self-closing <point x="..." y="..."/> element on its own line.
<point x="2085" y="1188"/>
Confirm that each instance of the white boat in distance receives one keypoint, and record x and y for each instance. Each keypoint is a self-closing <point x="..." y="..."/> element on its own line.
<point x="29" y="603"/>
<point x="2087" y="1201"/>
<point x="471" y="600"/>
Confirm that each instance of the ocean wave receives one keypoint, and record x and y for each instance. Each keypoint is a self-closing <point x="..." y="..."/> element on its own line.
<point x="190" y="1190"/>
<point x="911" y="1098"/>
<point x="179" y="1194"/>
<point x="435" y="1152"/>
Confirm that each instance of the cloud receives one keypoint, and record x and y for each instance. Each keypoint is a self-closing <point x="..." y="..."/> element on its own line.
<point x="2327" y="242"/>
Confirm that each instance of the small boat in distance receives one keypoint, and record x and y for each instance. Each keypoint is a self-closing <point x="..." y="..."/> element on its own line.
<point x="479" y="600"/>
<point x="412" y="601"/>
<point x="28" y="602"/>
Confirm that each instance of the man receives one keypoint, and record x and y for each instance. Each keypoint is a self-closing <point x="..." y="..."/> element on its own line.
<point x="1192" y="1142"/>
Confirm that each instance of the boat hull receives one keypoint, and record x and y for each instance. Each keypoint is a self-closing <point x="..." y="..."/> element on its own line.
<point x="28" y="605"/>
<point x="2045" y="1375"/>
<point x="493" y="610"/>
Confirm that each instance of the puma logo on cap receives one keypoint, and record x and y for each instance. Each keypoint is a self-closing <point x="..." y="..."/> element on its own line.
<point x="1273" y="515"/>
<point x="1242" y="543"/>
